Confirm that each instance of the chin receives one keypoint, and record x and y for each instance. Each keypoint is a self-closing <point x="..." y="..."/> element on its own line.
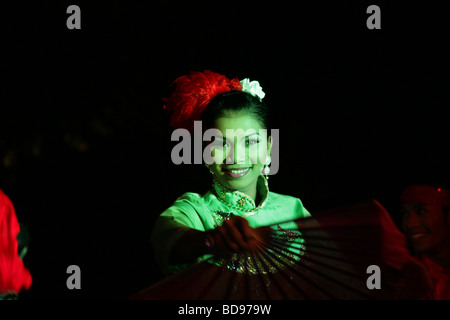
<point x="421" y="248"/>
<point x="239" y="185"/>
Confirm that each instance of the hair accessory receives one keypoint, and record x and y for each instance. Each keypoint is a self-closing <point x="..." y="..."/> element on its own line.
<point x="192" y="94"/>
<point x="194" y="91"/>
<point x="253" y="88"/>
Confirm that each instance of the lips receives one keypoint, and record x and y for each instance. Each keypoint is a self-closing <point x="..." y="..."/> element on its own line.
<point x="415" y="236"/>
<point x="236" y="172"/>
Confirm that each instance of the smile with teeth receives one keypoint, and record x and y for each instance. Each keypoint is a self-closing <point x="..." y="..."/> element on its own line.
<point x="236" y="172"/>
<point x="415" y="236"/>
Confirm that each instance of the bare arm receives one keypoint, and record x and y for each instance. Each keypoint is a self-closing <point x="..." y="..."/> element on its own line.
<point x="233" y="236"/>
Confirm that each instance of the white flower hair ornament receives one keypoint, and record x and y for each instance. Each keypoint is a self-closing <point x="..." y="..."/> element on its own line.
<point x="252" y="87"/>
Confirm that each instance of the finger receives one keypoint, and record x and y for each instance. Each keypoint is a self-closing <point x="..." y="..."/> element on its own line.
<point x="261" y="239"/>
<point x="246" y="231"/>
<point x="222" y="250"/>
<point x="234" y="231"/>
<point x="225" y="242"/>
<point x="263" y="234"/>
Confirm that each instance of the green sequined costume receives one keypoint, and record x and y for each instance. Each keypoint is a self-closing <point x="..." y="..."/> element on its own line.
<point x="208" y="211"/>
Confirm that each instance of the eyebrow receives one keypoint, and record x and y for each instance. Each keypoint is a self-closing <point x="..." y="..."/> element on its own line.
<point x="222" y="137"/>
<point x="251" y="134"/>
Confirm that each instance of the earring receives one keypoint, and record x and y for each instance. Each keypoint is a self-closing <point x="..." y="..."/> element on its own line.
<point x="266" y="169"/>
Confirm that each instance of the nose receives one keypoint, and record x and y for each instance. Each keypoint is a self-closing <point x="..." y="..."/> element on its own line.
<point x="410" y="221"/>
<point x="237" y="155"/>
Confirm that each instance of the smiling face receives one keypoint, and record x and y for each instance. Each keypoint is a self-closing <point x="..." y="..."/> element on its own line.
<point x="239" y="152"/>
<point x="425" y="225"/>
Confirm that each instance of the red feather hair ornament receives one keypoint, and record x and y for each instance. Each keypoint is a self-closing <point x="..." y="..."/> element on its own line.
<point x="192" y="94"/>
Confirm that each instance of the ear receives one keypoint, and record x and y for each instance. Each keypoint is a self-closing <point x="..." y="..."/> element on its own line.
<point x="269" y="145"/>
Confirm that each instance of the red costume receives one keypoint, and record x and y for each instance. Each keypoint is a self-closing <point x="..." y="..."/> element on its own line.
<point x="14" y="276"/>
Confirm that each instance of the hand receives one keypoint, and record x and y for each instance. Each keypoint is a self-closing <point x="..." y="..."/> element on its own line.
<point x="235" y="235"/>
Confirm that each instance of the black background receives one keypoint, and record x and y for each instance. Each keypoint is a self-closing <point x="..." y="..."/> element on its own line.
<point x="85" y="143"/>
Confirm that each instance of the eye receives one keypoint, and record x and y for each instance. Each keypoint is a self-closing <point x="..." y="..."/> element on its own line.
<point x="220" y="144"/>
<point x="251" y="141"/>
<point x="405" y="214"/>
<point x="422" y="211"/>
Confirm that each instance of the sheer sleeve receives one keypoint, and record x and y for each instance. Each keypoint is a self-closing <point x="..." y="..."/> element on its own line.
<point x="170" y="226"/>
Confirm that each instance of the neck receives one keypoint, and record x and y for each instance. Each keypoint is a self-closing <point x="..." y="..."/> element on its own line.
<point x="253" y="197"/>
<point x="251" y="192"/>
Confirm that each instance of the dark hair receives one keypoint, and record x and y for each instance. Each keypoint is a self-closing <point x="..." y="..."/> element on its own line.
<point x="236" y="102"/>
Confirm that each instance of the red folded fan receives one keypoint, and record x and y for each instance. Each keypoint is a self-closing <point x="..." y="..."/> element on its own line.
<point x="354" y="252"/>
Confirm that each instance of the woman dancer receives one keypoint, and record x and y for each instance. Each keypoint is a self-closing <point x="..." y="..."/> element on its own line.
<point x="222" y="221"/>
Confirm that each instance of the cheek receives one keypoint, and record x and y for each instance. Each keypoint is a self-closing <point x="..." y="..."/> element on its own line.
<point x="218" y="155"/>
<point x="258" y="156"/>
<point x="215" y="168"/>
<point x="437" y="227"/>
<point x="262" y="151"/>
<point x="438" y="234"/>
<point x="404" y="224"/>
